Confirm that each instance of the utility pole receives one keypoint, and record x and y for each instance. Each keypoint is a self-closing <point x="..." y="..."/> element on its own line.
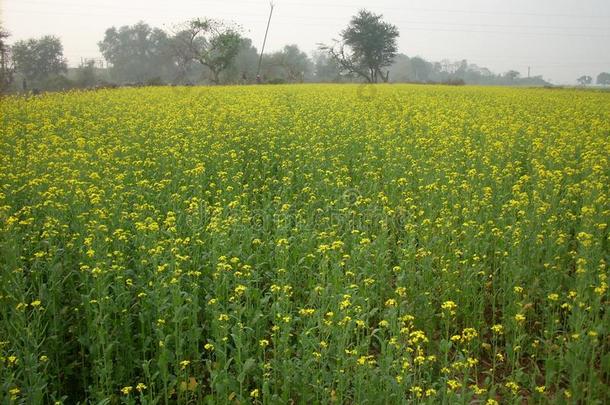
<point x="260" y="59"/>
<point x="528" y="71"/>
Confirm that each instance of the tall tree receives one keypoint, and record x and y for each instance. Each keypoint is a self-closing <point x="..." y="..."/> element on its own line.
<point x="39" y="59"/>
<point x="290" y="65"/>
<point x="138" y="53"/>
<point x="210" y="42"/>
<point x="421" y="69"/>
<point x="585" y="80"/>
<point x="6" y="64"/>
<point x="367" y="46"/>
<point x="326" y="69"/>
<point x="603" y="79"/>
<point x="512" y="75"/>
<point x="244" y="65"/>
<point x="182" y="56"/>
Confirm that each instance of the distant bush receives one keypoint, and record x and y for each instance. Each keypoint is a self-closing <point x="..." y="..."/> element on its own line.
<point x="155" y="81"/>
<point x="454" y="82"/>
<point x="55" y="83"/>
<point x="447" y="82"/>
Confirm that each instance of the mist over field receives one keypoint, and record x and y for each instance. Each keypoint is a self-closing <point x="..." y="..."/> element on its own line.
<point x="559" y="40"/>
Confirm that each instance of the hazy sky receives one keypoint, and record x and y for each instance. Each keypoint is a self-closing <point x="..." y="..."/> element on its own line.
<point x="560" y="39"/>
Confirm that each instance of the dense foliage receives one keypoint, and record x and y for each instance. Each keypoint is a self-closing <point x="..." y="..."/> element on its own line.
<point x="312" y="244"/>
<point x="367" y="48"/>
<point x="39" y="59"/>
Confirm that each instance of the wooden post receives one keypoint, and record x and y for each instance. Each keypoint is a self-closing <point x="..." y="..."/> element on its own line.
<point x="260" y="59"/>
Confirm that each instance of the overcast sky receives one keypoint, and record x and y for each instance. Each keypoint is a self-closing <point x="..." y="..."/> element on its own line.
<point x="559" y="39"/>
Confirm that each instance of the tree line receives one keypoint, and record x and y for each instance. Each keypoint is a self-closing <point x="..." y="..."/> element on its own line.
<point x="209" y="51"/>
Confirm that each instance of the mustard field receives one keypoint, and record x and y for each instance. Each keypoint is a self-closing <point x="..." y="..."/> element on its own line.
<point x="306" y="244"/>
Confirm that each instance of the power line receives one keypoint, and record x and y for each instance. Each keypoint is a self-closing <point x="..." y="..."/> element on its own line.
<point x="108" y="14"/>
<point x="148" y="9"/>
<point x="588" y="27"/>
<point x="461" y="11"/>
<point x="89" y="14"/>
<point x="309" y="22"/>
<point x="353" y="6"/>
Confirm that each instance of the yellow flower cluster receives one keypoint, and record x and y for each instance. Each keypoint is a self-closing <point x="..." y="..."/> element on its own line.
<point x="272" y="244"/>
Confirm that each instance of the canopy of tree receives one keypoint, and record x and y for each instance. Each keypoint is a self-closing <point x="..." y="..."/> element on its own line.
<point x="210" y="42"/>
<point x="137" y="53"/>
<point x="585" y="80"/>
<point x="6" y="65"/>
<point x="39" y="59"/>
<point x="603" y="79"/>
<point x="368" y="46"/>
